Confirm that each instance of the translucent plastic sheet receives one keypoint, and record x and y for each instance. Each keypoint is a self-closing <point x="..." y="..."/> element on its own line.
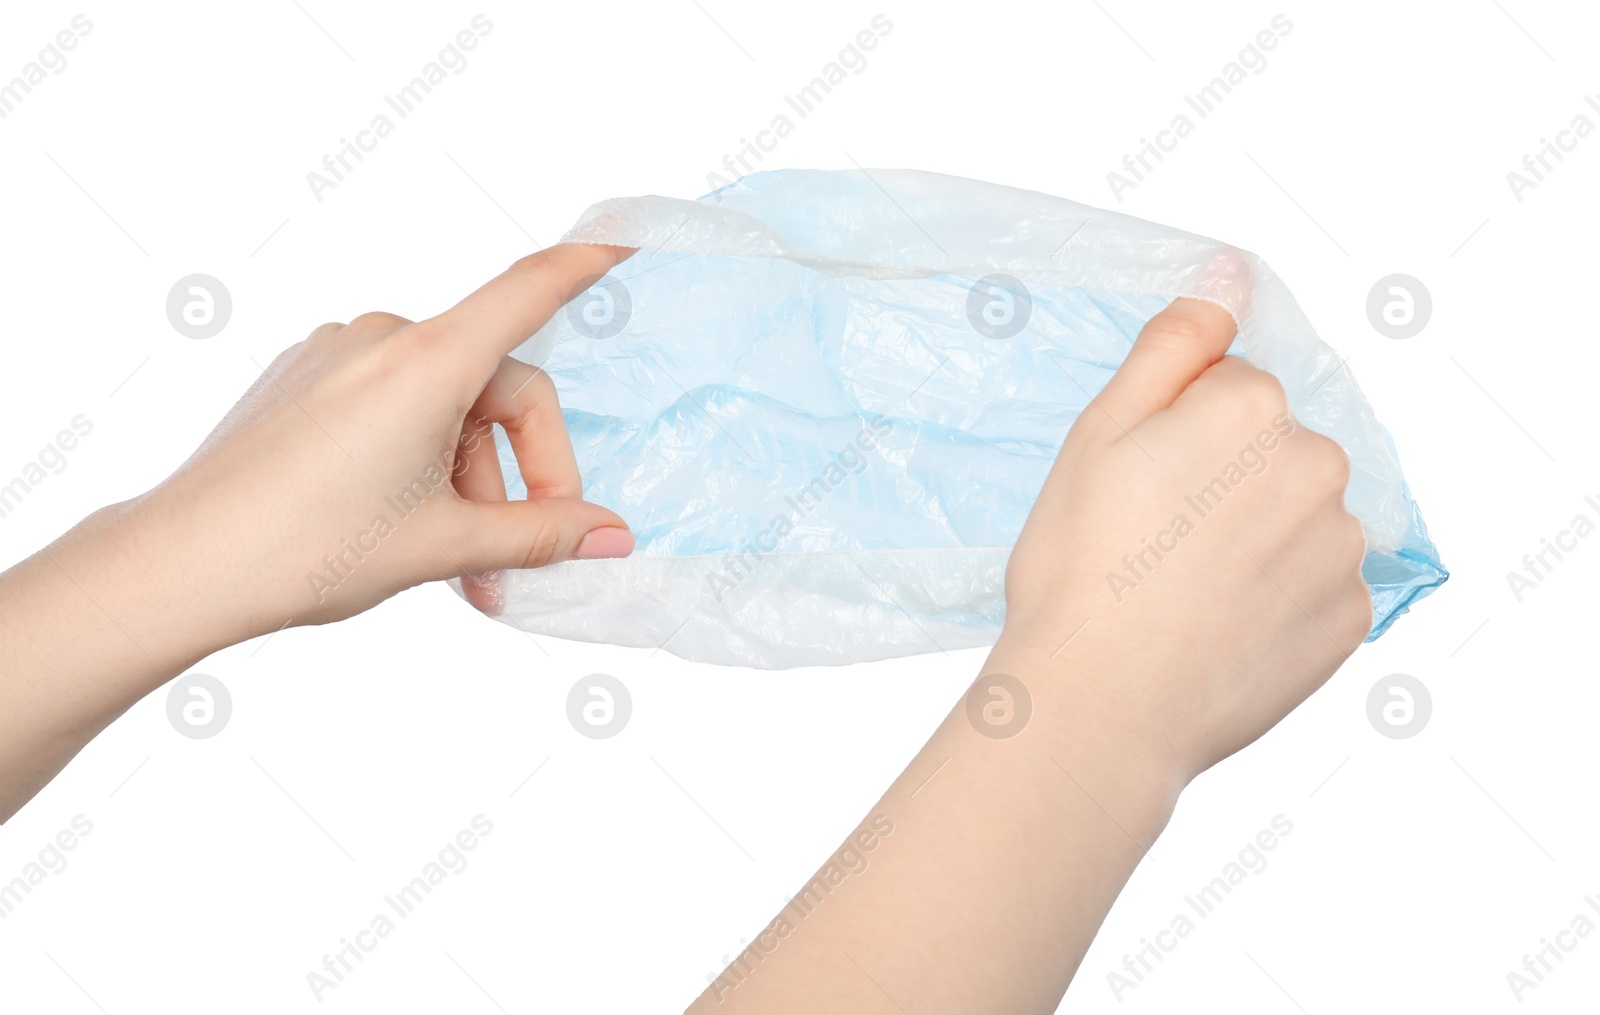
<point x="825" y="402"/>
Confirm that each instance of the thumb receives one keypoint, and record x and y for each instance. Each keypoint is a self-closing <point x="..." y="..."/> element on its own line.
<point x="505" y="535"/>
<point x="1175" y="347"/>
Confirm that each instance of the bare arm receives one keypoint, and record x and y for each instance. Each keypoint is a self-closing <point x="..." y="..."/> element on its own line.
<point x="313" y="461"/>
<point x="981" y="878"/>
<point x="1152" y="630"/>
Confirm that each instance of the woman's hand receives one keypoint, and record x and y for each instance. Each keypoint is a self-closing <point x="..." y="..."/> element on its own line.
<point x="360" y="464"/>
<point x="1187" y="576"/>
<point x="363" y="461"/>
<point x="1195" y="534"/>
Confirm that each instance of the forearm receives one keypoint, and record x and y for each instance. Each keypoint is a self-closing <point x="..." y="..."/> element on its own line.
<point x="992" y="864"/>
<point x="88" y="626"/>
<point x="228" y="547"/>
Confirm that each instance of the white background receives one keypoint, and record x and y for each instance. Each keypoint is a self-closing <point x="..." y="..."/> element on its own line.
<point x="623" y="874"/>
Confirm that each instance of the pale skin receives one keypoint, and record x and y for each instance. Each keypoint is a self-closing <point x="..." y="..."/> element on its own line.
<point x="1003" y="853"/>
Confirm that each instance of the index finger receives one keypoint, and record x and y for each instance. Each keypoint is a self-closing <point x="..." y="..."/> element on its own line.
<point x="510" y="307"/>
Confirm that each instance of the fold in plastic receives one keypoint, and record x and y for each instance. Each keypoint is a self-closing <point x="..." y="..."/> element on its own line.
<point x="826" y="401"/>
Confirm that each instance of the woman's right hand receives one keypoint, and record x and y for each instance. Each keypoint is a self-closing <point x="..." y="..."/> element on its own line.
<point x="1193" y="535"/>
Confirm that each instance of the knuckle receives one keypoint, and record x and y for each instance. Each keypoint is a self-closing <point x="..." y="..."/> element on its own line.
<point x="531" y="263"/>
<point x="1356" y="615"/>
<point x="544" y="542"/>
<point x="538" y="389"/>
<point x="1260" y="395"/>
<point x="326" y="332"/>
<point x="376" y="322"/>
<point x="535" y="268"/>
<point x="1353" y="541"/>
<point x="1332" y="464"/>
<point x="1172" y="332"/>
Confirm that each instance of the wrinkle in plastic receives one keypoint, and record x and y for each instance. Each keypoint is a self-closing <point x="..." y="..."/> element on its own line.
<point x="826" y="444"/>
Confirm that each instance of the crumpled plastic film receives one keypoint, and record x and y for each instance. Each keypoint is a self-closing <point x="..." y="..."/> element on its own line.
<point x="825" y="402"/>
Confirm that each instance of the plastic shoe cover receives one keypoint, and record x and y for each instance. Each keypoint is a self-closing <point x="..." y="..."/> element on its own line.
<point x="825" y="402"/>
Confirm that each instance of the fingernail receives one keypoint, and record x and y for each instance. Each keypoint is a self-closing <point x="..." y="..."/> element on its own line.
<point x="602" y="543"/>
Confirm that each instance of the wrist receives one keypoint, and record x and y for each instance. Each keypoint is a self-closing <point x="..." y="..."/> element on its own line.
<point x="147" y="568"/>
<point x="1099" y="737"/>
